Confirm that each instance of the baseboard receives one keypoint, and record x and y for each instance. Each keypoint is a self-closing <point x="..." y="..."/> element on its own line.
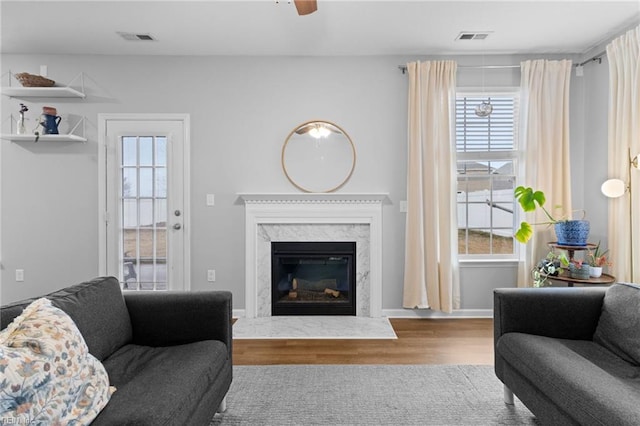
<point x="428" y="313"/>
<point x="417" y="313"/>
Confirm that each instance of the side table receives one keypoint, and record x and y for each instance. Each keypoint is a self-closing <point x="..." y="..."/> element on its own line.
<point x="603" y="279"/>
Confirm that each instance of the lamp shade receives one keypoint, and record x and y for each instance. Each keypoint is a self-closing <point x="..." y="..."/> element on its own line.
<point x="613" y="188"/>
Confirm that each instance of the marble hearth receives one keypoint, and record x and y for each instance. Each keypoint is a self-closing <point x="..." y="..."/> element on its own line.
<point x="313" y="217"/>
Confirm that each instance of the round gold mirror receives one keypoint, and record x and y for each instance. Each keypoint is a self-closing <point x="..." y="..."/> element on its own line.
<point x="318" y="156"/>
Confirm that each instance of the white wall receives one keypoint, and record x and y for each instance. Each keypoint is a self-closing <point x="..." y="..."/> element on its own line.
<point x="241" y="110"/>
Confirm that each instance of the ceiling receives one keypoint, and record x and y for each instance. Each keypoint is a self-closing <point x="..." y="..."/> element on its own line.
<point x="339" y="27"/>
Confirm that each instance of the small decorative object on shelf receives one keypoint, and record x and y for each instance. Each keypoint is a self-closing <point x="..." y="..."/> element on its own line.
<point x="597" y="260"/>
<point x="21" y="128"/>
<point x="31" y="80"/>
<point x="579" y="270"/>
<point x="50" y="121"/>
<point x="595" y="271"/>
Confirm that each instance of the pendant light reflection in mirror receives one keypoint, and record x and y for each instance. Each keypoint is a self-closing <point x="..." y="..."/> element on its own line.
<point x="318" y="156"/>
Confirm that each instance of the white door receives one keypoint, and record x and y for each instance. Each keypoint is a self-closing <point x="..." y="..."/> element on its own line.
<point x="146" y="187"/>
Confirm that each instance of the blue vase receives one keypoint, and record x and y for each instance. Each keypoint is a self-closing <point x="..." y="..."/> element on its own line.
<point x="572" y="232"/>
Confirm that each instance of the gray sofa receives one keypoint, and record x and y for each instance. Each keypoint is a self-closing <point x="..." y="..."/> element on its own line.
<point x="571" y="355"/>
<point x="169" y="354"/>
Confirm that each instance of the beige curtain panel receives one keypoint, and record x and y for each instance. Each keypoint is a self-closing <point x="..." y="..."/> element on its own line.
<point x="544" y="135"/>
<point x="431" y="275"/>
<point x="624" y="137"/>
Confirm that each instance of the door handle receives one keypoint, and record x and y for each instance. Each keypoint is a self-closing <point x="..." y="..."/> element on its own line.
<point x="177" y="226"/>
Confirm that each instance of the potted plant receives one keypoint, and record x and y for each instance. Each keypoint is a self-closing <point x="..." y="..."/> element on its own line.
<point x="550" y="266"/>
<point x="578" y="269"/>
<point x="597" y="260"/>
<point x="568" y="232"/>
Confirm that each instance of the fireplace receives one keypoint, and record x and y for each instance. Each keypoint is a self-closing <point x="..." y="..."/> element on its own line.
<point x="313" y="278"/>
<point x="306" y="217"/>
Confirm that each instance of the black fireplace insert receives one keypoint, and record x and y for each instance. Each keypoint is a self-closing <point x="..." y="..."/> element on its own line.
<point x="313" y="278"/>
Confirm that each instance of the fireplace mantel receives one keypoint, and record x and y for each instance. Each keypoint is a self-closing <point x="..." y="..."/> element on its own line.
<point x="313" y="198"/>
<point x="327" y="214"/>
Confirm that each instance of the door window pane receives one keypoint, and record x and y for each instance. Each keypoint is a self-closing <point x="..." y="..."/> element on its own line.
<point x="144" y="213"/>
<point x="146" y="182"/>
<point x="161" y="182"/>
<point x="161" y="151"/>
<point x="146" y="151"/>
<point x="129" y="213"/>
<point x="129" y="151"/>
<point x="130" y="182"/>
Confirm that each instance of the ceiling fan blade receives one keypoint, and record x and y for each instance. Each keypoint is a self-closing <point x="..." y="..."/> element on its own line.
<point x="306" y="7"/>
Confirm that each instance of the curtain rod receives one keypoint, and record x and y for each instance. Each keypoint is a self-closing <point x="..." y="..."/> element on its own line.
<point x="597" y="57"/>
<point x="403" y="68"/>
<point x="594" y="58"/>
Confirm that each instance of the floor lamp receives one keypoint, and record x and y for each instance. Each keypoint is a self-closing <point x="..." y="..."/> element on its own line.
<point x="614" y="188"/>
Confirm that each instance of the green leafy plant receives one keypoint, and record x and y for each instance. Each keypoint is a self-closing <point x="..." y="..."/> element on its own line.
<point x="598" y="258"/>
<point x="550" y="266"/>
<point x="529" y="201"/>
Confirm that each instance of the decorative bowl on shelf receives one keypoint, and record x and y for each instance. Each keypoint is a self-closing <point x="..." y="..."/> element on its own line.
<point x="31" y="80"/>
<point x="579" y="272"/>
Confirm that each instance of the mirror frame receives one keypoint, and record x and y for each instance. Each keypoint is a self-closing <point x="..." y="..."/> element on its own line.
<point x="301" y="187"/>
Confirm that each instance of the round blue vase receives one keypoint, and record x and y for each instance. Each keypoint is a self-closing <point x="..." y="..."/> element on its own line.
<point x="572" y="232"/>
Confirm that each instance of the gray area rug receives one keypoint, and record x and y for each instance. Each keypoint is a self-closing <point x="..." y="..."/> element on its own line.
<point x="369" y="395"/>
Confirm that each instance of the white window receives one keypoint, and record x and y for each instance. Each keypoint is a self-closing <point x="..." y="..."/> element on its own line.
<point x="487" y="153"/>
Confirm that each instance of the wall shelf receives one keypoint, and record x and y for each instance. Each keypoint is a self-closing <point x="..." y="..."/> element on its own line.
<point x="44" y="92"/>
<point x="43" y="138"/>
<point x="31" y="137"/>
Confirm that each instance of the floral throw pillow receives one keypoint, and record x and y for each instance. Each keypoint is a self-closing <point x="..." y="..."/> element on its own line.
<point x="47" y="375"/>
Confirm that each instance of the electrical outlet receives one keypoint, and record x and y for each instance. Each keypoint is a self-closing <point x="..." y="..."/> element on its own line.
<point x="19" y="275"/>
<point x="403" y="206"/>
<point x="211" y="200"/>
<point x="211" y="275"/>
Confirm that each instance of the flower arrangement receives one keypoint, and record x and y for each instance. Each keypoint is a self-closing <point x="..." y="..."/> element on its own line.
<point x="598" y="258"/>
<point x="577" y="263"/>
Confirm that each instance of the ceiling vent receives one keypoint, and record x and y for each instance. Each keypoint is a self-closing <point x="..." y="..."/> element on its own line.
<point x="468" y="35"/>
<point x="136" y="37"/>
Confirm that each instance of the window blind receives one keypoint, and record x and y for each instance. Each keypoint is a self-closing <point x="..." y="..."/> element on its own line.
<point x="494" y="133"/>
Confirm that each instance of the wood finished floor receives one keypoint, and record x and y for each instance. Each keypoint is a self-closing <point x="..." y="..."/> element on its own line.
<point x="420" y="341"/>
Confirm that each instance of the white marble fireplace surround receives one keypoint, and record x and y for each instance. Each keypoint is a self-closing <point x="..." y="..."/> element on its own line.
<point x="313" y="217"/>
